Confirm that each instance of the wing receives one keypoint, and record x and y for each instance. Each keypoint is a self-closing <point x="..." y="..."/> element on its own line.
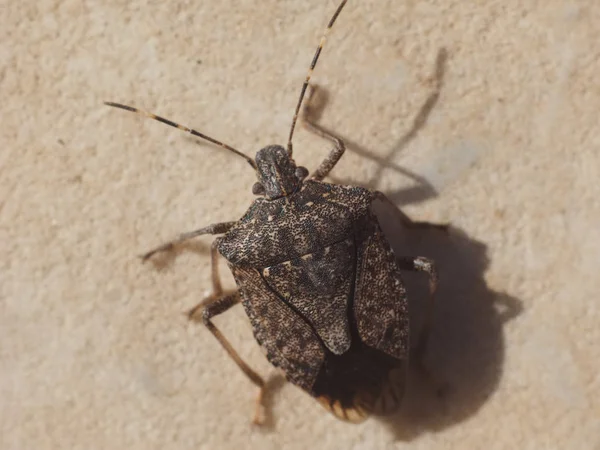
<point x="318" y="286"/>
<point x="289" y="341"/>
<point x="380" y="302"/>
<point x="371" y="376"/>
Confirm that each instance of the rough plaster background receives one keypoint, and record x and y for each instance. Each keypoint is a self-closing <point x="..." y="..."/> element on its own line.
<point x="95" y="351"/>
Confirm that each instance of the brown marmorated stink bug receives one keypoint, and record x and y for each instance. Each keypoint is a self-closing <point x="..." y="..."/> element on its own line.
<point x="317" y="278"/>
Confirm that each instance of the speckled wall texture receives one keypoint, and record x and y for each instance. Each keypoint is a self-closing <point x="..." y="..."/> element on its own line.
<point x="482" y="114"/>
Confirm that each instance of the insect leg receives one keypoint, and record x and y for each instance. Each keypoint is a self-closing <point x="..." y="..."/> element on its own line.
<point x="213" y="306"/>
<point x="338" y="150"/>
<point x="310" y="71"/>
<point x="426" y="265"/>
<point x="215" y="228"/>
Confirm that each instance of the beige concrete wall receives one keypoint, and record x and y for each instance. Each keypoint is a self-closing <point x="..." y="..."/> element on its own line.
<point x="95" y="351"/>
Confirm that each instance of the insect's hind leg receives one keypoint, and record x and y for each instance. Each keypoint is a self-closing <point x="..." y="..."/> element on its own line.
<point x="338" y="150"/>
<point x="213" y="306"/>
<point x="218" y="302"/>
<point x="215" y="228"/>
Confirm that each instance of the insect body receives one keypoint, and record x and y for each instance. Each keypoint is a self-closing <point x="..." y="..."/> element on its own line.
<point x="321" y="287"/>
<point x="317" y="278"/>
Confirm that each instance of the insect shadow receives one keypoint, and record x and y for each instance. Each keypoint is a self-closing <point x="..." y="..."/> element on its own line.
<point x="466" y="349"/>
<point x="422" y="190"/>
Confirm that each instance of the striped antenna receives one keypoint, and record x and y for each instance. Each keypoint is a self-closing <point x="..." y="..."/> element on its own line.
<point x="182" y="128"/>
<point x="310" y="71"/>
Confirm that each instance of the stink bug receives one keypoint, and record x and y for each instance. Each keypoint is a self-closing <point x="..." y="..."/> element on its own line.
<point x="316" y="276"/>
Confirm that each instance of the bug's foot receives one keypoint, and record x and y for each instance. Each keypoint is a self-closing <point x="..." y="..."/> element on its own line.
<point x="260" y="414"/>
<point x="163" y="248"/>
<point x="195" y="314"/>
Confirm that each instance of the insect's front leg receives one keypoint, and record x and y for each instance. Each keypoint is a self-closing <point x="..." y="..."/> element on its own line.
<point x="215" y="228"/>
<point x="338" y="150"/>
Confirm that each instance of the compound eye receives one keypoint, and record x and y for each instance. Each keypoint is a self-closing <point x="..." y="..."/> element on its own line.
<point x="301" y="172"/>
<point x="258" y="189"/>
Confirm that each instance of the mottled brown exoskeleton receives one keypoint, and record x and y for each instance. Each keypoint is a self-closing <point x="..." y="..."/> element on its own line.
<point x="317" y="278"/>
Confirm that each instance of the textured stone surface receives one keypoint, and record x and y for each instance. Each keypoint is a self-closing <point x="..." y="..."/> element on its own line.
<point x="95" y="352"/>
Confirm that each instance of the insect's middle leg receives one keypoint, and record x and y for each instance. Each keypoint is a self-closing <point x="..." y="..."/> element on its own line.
<point x="215" y="228"/>
<point x="426" y="265"/>
<point x="338" y="150"/>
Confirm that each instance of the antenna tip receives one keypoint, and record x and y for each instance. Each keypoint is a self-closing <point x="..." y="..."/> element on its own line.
<point x="119" y="105"/>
